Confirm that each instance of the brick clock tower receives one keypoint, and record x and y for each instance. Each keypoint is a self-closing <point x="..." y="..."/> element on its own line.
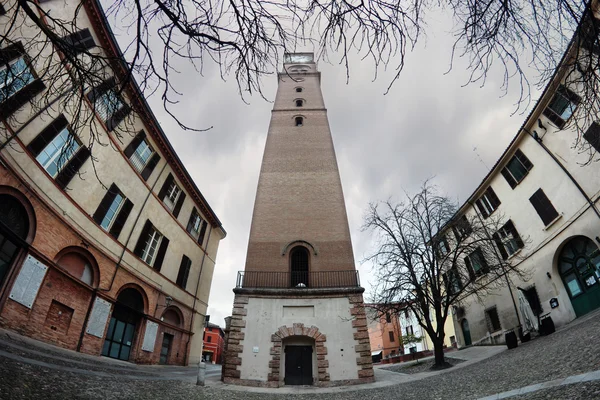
<point x="298" y="315"/>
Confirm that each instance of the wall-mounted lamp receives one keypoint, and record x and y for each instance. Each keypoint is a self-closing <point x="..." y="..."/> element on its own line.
<point x="541" y="125"/>
<point x="536" y="136"/>
<point x="168" y="301"/>
<point x="548" y="275"/>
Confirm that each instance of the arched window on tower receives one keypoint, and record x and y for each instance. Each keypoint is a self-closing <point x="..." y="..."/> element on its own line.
<point x="299" y="121"/>
<point x="299" y="103"/>
<point x="298" y="90"/>
<point x="299" y="267"/>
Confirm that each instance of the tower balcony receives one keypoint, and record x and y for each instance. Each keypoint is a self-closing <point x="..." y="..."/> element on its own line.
<point x="297" y="280"/>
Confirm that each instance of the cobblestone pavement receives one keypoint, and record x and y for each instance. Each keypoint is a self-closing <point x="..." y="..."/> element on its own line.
<point x="568" y="352"/>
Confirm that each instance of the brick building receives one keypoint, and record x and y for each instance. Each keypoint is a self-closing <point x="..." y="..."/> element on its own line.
<point x="120" y="268"/>
<point x="214" y="343"/>
<point x="298" y="314"/>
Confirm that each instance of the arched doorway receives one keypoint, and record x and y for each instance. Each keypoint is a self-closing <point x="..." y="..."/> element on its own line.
<point x="466" y="332"/>
<point x="298" y="362"/>
<point x="171" y="316"/>
<point x="14" y="232"/>
<point x="579" y="268"/>
<point x="299" y="260"/>
<point x="127" y="313"/>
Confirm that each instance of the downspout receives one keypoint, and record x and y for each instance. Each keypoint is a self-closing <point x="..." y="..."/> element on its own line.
<point x="557" y="161"/>
<point x="118" y="265"/>
<point x="187" y="345"/>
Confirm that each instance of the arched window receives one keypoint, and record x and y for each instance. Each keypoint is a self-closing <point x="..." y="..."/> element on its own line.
<point x="298" y="90"/>
<point x="14" y="230"/>
<point x="299" y="121"/>
<point x="299" y="259"/>
<point x="132" y="298"/>
<point x="171" y="317"/>
<point x="77" y="265"/>
<point x="299" y="103"/>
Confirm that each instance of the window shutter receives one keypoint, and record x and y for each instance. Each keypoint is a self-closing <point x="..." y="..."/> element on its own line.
<point x="165" y="187"/>
<point x="592" y="135"/>
<point x="500" y="246"/>
<point x="160" y="256"/>
<point x="133" y="145"/>
<point x="101" y="88"/>
<point x="2" y="10"/>
<point x="105" y="203"/>
<point x="184" y="271"/>
<point x="202" y="233"/>
<point x="41" y="141"/>
<point x="509" y="178"/>
<point x="543" y="206"/>
<point x="469" y="268"/>
<point x="22" y="97"/>
<point x="482" y="209"/>
<point x="117" y="117"/>
<point x="80" y="41"/>
<point x="493" y="198"/>
<point x="511" y="228"/>
<point x="524" y="160"/>
<point x="139" y="247"/>
<point x="117" y="226"/>
<point x="68" y="172"/>
<point x="190" y="223"/>
<point x="150" y="166"/>
<point x="180" y="200"/>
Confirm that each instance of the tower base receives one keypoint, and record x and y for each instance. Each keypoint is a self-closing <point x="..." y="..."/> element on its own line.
<point x="298" y="336"/>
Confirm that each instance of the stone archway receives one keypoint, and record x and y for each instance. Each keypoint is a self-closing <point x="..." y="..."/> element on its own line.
<point x="298" y="329"/>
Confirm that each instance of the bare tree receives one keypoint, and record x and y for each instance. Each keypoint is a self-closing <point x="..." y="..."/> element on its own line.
<point x="428" y="258"/>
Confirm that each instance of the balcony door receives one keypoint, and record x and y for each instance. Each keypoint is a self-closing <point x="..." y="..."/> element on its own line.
<point x="299" y="260"/>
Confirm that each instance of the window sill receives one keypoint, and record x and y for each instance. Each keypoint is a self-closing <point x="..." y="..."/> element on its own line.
<point x="552" y="222"/>
<point x="513" y="255"/>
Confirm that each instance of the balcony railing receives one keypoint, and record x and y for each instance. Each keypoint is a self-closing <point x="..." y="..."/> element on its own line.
<point x="284" y="280"/>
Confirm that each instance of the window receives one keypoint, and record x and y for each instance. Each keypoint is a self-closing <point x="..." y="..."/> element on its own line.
<point x="141" y="155"/>
<point x="476" y="264"/>
<point x="462" y="228"/>
<point x="410" y="330"/>
<point x="299" y="121"/>
<point x="194" y="224"/>
<point x="443" y="248"/>
<point x="592" y="135"/>
<point x="508" y="240"/>
<point x="209" y="339"/>
<point x="14" y="77"/>
<point x="299" y="103"/>
<point x="493" y="322"/>
<point x="113" y="210"/>
<point x="406" y="313"/>
<point x="80" y="41"/>
<point x="453" y="282"/>
<point x="151" y="246"/>
<point x="544" y="207"/>
<point x="55" y="156"/>
<point x="143" y="158"/>
<point x="391" y="334"/>
<point x="184" y="272"/>
<point x="108" y="104"/>
<point x="298" y="90"/>
<point x="488" y="203"/>
<point x="388" y="318"/>
<point x="172" y="196"/>
<point x="562" y="106"/>
<point x="516" y="169"/>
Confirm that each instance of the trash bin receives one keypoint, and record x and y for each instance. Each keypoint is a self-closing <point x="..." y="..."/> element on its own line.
<point x="510" y="337"/>
<point x="547" y="325"/>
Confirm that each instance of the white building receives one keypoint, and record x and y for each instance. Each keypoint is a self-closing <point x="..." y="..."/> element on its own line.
<point x="411" y="329"/>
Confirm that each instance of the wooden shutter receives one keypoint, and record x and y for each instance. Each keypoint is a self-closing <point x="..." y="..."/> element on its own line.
<point x="180" y="200"/>
<point x="482" y="208"/>
<point x="543" y="206"/>
<point x="494" y="200"/>
<point x="117" y="226"/>
<point x="68" y="172"/>
<point x="162" y="250"/>
<point x="509" y="178"/>
<point x="524" y="160"/>
<point x="40" y="142"/>
<point x="133" y="145"/>
<point x="511" y="228"/>
<point x="150" y="166"/>
<point x="80" y="41"/>
<point x="592" y="135"/>
<point x="139" y="247"/>
<point x="500" y="245"/>
<point x="469" y="268"/>
<point x="117" y="117"/>
<point x="202" y="233"/>
<point x="184" y="272"/>
<point x="22" y="97"/>
<point x="190" y="223"/>
<point x="105" y="203"/>
<point x="165" y="187"/>
<point x="101" y="88"/>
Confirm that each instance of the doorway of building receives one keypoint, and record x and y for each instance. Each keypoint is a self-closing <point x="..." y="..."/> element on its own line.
<point x="579" y="267"/>
<point x="127" y="313"/>
<point x="298" y="365"/>
<point x="165" y="350"/>
<point x="14" y="228"/>
<point x="466" y="332"/>
<point x="299" y="267"/>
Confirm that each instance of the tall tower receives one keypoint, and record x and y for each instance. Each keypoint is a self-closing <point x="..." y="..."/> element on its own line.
<point x="298" y="314"/>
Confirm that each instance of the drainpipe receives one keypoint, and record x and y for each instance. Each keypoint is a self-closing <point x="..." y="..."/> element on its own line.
<point x="118" y="265"/>
<point x="187" y="345"/>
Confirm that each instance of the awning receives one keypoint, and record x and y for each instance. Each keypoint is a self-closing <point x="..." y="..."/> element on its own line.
<point x="376" y="353"/>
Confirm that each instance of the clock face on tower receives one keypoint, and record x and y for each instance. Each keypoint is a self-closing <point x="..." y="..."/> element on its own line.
<point x="298" y="58"/>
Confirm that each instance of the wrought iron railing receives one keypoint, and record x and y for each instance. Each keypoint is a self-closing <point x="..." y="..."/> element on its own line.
<point x="283" y="280"/>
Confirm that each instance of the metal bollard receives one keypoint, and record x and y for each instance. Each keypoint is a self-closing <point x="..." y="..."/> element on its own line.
<point x="201" y="373"/>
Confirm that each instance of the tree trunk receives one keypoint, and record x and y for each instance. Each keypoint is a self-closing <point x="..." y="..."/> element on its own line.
<point x="438" y="351"/>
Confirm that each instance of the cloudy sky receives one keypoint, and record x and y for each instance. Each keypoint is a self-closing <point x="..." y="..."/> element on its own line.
<point x="428" y="125"/>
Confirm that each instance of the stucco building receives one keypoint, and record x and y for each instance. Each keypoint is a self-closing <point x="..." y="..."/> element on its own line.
<point x="385" y="333"/>
<point x="107" y="251"/>
<point x="548" y="196"/>
<point x="298" y="315"/>
<point x="214" y="344"/>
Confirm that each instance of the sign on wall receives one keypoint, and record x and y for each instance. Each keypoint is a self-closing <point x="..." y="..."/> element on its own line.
<point x="98" y="317"/>
<point x="27" y="284"/>
<point x="150" y="336"/>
